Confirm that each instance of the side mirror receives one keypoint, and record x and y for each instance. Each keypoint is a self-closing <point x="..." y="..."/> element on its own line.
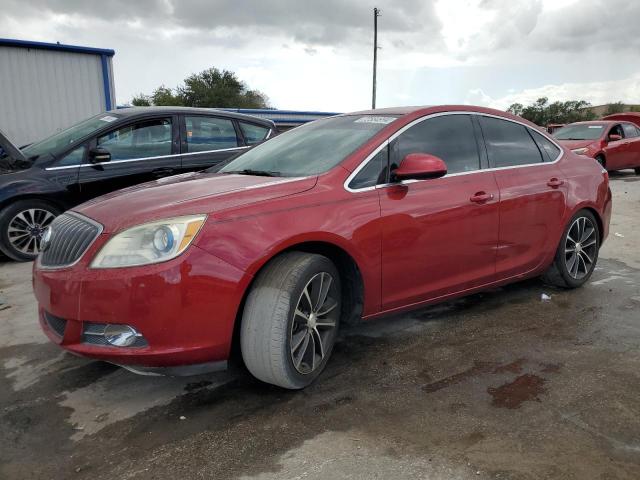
<point x="99" y="155"/>
<point x="418" y="166"/>
<point x="614" y="138"/>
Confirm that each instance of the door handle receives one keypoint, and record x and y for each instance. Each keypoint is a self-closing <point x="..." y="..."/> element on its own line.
<point x="555" y="182"/>
<point x="481" y="197"/>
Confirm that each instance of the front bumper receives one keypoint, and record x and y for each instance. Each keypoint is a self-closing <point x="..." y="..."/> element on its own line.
<point x="185" y="309"/>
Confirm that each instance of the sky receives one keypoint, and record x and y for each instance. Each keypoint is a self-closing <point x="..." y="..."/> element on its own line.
<point x="317" y="54"/>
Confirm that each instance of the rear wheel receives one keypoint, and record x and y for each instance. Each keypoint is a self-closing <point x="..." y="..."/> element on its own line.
<point x="577" y="253"/>
<point x="21" y="226"/>
<point x="290" y="320"/>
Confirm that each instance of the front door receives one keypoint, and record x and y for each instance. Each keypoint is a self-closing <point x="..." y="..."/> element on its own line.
<point x="616" y="151"/>
<point x="439" y="236"/>
<point x="141" y="151"/>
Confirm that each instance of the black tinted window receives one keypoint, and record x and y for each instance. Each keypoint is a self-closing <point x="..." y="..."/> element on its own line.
<point x="373" y="173"/>
<point x="629" y="130"/>
<point x="150" y="138"/>
<point x="550" y="150"/>
<point x="449" y="137"/>
<point x="508" y="143"/>
<point x="209" y="133"/>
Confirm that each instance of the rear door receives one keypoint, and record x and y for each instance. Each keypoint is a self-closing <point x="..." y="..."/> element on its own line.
<point x="141" y="150"/>
<point x="532" y="194"/>
<point x="438" y="236"/>
<point x="208" y="141"/>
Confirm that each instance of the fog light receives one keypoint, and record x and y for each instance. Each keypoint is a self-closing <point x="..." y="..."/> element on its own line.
<point x="120" y="335"/>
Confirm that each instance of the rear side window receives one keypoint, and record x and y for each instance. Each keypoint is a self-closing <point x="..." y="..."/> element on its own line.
<point x="450" y="137"/>
<point x="508" y="143"/>
<point x="550" y="150"/>
<point x="209" y="133"/>
<point x="374" y="172"/>
<point x="149" y="138"/>
<point x="629" y="130"/>
<point x="253" y="133"/>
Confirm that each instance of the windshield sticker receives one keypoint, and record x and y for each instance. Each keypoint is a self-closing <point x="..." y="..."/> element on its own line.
<point x="108" y="119"/>
<point x="371" y="119"/>
<point x="595" y="126"/>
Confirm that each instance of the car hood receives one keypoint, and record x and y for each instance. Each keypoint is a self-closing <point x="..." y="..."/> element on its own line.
<point x="573" y="144"/>
<point x="188" y="194"/>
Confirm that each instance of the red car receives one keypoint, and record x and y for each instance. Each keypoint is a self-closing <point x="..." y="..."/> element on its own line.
<point x="614" y="144"/>
<point x="353" y="216"/>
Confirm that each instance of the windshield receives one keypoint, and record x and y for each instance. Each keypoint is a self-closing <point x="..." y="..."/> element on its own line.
<point x="310" y="149"/>
<point x="61" y="140"/>
<point x="579" y="132"/>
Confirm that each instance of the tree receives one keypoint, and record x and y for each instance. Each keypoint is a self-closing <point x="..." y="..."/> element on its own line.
<point x="541" y="112"/>
<point x="209" y="88"/>
<point x="617" y="107"/>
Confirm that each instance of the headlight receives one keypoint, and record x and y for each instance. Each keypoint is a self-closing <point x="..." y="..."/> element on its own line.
<point x="580" y="151"/>
<point x="149" y="243"/>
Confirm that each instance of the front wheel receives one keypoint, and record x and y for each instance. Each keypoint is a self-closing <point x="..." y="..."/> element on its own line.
<point x="21" y="226"/>
<point x="290" y="319"/>
<point x="577" y="253"/>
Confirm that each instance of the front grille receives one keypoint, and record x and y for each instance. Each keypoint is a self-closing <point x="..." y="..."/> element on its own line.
<point x="93" y="334"/>
<point x="71" y="235"/>
<point x="56" y="324"/>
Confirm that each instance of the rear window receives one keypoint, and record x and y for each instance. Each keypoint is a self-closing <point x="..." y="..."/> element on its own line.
<point x="550" y="150"/>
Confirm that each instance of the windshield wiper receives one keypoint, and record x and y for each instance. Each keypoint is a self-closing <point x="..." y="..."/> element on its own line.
<point x="257" y="173"/>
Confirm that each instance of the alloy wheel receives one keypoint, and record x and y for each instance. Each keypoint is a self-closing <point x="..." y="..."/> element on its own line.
<point x="581" y="247"/>
<point x="26" y="228"/>
<point x="314" y="319"/>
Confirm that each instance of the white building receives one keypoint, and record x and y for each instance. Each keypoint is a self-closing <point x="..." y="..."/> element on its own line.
<point x="45" y="87"/>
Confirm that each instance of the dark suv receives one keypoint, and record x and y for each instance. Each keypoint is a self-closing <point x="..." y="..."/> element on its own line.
<point x="108" y="152"/>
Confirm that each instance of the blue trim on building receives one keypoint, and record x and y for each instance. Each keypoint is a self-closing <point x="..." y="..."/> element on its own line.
<point x="254" y="111"/>
<point x="8" y="42"/>
<point x="105" y="81"/>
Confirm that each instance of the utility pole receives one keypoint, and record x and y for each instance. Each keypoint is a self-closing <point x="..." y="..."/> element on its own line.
<point x="376" y="14"/>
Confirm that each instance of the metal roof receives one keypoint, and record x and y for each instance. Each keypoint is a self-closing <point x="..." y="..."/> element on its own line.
<point x="8" y="42"/>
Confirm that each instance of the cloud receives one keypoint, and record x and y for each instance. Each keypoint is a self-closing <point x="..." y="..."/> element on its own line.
<point x="315" y="23"/>
<point x="597" y="93"/>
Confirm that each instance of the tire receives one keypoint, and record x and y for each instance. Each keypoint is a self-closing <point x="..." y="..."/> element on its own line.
<point x="34" y="216"/>
<point x="600" y="159"/>
<point x="564" y="272"/>
<point x="271" y="325"/>
<point x="637" y="170"/>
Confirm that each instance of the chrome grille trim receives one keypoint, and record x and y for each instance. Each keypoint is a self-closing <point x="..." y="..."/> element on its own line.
<point x="72" y="235"/>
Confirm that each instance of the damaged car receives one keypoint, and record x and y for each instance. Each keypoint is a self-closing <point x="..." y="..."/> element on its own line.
<point x="351" y="217"/>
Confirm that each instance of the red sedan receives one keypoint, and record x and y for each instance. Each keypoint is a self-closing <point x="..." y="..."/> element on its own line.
<point x="349" y="217"/>
<point x="614" y="144"/>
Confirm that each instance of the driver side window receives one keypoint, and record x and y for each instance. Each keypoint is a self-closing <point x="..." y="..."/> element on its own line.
<point x="450" y="137"/>
<point x="616" y="130"/>
<point x="149" y="138"/>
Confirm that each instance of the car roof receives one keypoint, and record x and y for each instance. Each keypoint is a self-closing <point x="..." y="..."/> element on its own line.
<point x="133" y="111"/>
<point x="419" y="111"/>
